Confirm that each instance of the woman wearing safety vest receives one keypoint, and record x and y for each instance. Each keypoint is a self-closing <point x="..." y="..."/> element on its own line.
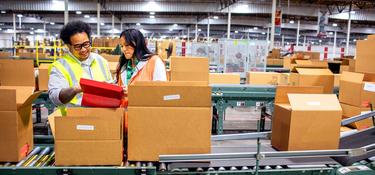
<point x="137" y="63"/>
<point x="65" y="73"/>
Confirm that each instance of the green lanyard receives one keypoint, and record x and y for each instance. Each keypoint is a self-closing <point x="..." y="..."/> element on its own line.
<point x="130" y="70"/>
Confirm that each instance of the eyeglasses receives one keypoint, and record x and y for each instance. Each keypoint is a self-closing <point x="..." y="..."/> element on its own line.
<point x="85" y="45"/>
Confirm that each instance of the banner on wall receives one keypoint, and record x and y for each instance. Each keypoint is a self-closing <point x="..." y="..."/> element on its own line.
<point x="322" y="23"/>
<point x="278" y="21"/>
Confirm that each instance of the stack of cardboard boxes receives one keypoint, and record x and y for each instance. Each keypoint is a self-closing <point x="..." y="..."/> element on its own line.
<point x="357" y="90"/>
<point x="274" y="58"/>
<point x="290" y="61"/>
<point x="105" y="42"/>
<point x="304" y="119"/>
<point x="5" y="55"/>
<point x="168" y="118"/>
<point x="17" y="84"/>
<point x="88" y="136"/>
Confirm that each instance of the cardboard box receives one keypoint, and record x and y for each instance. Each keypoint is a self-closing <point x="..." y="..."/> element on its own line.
<point x="351" y="111"/>
<point x="357" y="89"/>
<point x="284" y="79"/>
<point x="189" y="68"/>
<point x="172" y="94"/>
<point x="16" y="124"/>
<point x="336" y="80"/>
<point x="364" y="56"/>
<point x="275" y="53"/>
<point x="17" y="73"/>
<point x="297" y="122"/>
<point x="111" y="58"/>
<point x="154" y="131"/>
<point x="43" y="76"/>
<point x="17" y="84"/>
<point x="308" y="73"/>
<point x="287" y="62"/>
<point x="85" y="131"/>
<point x="224" y="78"/>
<point x="263" y="78"/>
<point x="344" y="68"/>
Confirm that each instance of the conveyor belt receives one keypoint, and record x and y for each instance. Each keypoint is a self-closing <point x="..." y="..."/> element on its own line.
<point x="239" y="146"/>
<point x="357" y="140"/>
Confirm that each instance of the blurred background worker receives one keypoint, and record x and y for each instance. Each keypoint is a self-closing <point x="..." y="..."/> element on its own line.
<point x="65" y="73"/>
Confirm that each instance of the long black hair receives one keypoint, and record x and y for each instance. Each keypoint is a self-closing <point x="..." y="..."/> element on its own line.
<point x="134" y="38"/>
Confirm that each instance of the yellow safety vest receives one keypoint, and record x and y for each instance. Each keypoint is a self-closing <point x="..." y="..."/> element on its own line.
<point x="72" y="71"/>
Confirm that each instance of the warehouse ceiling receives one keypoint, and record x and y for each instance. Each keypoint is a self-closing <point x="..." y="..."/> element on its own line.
<point x="250" y="18"/>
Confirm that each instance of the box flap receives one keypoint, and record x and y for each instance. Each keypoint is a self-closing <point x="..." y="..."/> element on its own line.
<point x="283" y="91"/>
<point x="24" y="96"/>
<point x="309" y="71"/>
<point x="51" y="120"/>
<point x="17" y="73"/>
<point x="8" y="99"/>
<point x="314" y="102"/>
<point x="44" y="66"/>
<point x="352" y="77"/>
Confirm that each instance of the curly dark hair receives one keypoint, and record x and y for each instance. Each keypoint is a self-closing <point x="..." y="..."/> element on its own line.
<point x="72" y="28"/>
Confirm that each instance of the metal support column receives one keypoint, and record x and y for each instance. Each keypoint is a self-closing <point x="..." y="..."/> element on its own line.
<point x="196" y="32"/>
<point x="304" y="41"/>
<point x="98" y="18"/>
<point x="348" y="34"/>
<point x="229" y="21"/>
<point x="334" y="44"/>
<point x="44" y="29"/>
<point x="66" y="13"/>
<point x="282" y="41"/>
<point x="14" y="34"/>
<point x="113" y="25"/>
<point x="297" y="39"/>
<point x="273" y="24"/>
<point x="208" y="28"/>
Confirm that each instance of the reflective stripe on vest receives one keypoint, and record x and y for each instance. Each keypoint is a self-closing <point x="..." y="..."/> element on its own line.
<point x="72" y="72"/>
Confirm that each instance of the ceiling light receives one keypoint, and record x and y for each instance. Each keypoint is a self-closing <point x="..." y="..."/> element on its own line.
<point x="102" y="24"/>
<point x="263" y="33"/>
<point x="170" y="29"/>
<point x="216" y="17"/>
<point x="236" y="31"/>
<point x="52" y="23"/>
<point x="334" y="25"/>
<point x="3" y="11"/>
<point x="291" y="22"/>
<point x="355" y="40"/>
<point x="86" y="16"/>
<point x="78" y="12"/>
<point x="352" y="12"/>
<point x="330" y="33"/>
<point x="32" y="33"/>
<point x="320" y="40"/>
<point x="138" y="24"/>
<point x="152" y="16"/>
<point x="1" y="29"/>
<point x="152" y="13"/>
<point x="20" y="15"/>
<point x="31" y="28"/>
<point x="175" y="25"/>
<point x="199" y="30"/>
<point x="255" y="28"/>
